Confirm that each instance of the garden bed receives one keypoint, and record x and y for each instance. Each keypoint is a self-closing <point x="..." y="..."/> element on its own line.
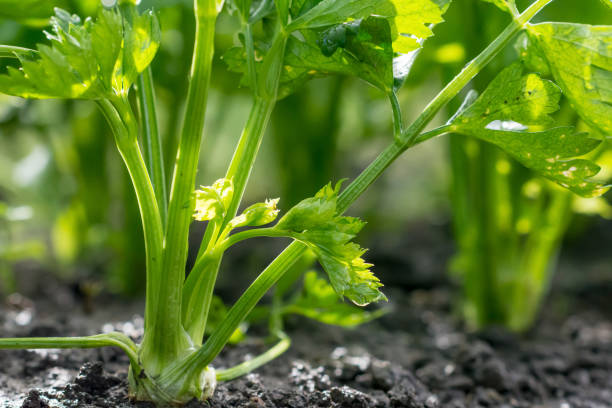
<point x="418" y="355"/>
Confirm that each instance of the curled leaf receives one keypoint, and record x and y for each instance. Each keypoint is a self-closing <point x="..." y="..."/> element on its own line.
<point x="212" y="201"/>
<point x="257" y="215"/>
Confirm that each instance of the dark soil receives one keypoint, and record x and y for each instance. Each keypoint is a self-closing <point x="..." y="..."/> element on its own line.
<point x="418" y="356"/>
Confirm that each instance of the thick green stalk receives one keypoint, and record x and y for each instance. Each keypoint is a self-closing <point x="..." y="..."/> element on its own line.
<point x="239" y="171"/>
<point x="123" y="124"/>
<point x="246" y="152"/>
<point x="198" y="290"/>
<point x="196" y="304"/>
<point x="152" y="144"/>
<point x="166" y="340"/>
<point x="250" y="57"/>
<point x="215" y="343"/>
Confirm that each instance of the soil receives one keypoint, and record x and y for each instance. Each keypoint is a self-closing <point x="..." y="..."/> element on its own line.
<point x="419" y="355"/>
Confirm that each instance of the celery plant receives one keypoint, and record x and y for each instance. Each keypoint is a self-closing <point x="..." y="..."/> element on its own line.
<point x="283" y="44"/>
<point x="508" y="223"/>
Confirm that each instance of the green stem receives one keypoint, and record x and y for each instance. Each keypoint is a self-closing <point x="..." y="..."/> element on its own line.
<point x="431" y="134"/>
<point x="246" y="152"/>
<point x="250" y="56"/>
<point x="9" y="51"/>
<point x="195" y="304"/>
<point x="215" y="343"/>
<point x="101" y="340"/>
<point x="398" y="123"/>
<point x="248" y="234"/>
<point x="152" y="143"/>
<point x="256" y="362"/>
<point x="239" y="171"/>
<point x="125" y="130"/>
<point x="166" y="340"/>
<point x="538" y="261"/>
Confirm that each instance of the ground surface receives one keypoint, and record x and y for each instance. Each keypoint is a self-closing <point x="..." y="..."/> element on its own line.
<point x="417" y="356"/>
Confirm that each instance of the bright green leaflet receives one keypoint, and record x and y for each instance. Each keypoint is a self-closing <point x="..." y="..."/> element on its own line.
<point x="408" y="18"/>
<point x="507" y="113"/>
<point x="86" y="60"/>
<point x="212" y="201"/>
<point x="314" y="221"/>
<point x="319" y="301"/>
<point x="256" y="215"/>
<point x="580" y="59"/>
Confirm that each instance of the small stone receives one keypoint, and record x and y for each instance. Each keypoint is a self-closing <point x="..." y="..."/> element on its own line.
<point x="33" y="400"/>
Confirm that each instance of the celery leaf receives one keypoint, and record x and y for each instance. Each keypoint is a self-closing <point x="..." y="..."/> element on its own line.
<point x="314" y="222"/>
<point x="256" y="215"/>
<point x="212" y="201"/>
<point x="86" y="60"/>
<point x="511" y="113"/>
<point x="579" y="57"/>
<point x="372" y="40"/>
<point x="408" y="19"/>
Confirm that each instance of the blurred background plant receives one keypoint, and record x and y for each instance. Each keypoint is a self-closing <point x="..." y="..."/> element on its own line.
<point x="508" y="224"/>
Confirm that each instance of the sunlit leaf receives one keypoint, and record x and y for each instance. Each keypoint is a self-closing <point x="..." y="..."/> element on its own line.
<point x="510" y="114"/>
<point x="212" y="201"/>
<point x="408" y="19"/>
<point x="511" y="96"/>
<point x="580" y="59"/>
<point x="311" y="213"/>
<point x="314" y="222"/>
<point x="257" y="215"/>
<point x="86" y="60"/>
